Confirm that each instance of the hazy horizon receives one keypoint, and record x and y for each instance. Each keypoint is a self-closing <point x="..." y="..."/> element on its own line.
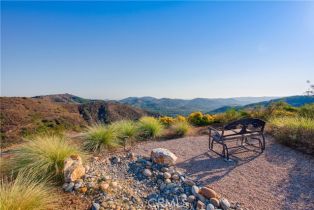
<point x="184" y="50"/>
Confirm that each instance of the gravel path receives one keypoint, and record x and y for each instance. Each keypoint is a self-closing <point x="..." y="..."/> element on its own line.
<point x="279" y="178"/>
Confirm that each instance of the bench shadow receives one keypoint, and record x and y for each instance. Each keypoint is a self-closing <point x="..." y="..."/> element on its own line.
<point x="209" y="167"/>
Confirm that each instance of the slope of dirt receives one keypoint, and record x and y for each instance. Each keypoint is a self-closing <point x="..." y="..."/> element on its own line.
<point x="279" y="178"/>
<point x="21" y="116"/>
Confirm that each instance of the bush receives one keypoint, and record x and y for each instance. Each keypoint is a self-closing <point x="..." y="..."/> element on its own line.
<point x="126" y="130"/>
<point x="181" y="128"/>
<point x="44" y="155"/>
<point x="198" y="119"/>
<point x="307" y="111"/>
<point x="180" y="118"/>
<point x="150" y="127"/>
<point x="166" y="121"/>
<point x="27" y="193"/>
<point x="294" y="131"/>
<point x="100" y="137"/>
<point x="230" y="115"/>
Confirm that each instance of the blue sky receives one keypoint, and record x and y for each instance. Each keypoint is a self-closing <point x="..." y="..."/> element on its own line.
<point x="162" y="49"/>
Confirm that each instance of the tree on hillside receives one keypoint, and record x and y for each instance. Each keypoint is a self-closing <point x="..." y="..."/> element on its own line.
<point x="310" y="90"/>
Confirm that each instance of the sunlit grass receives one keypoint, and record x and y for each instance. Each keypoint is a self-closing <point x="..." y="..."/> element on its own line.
<point x="26" y="192"/>
<point x="293" y="131"/>
<point x="181" y="128"/>
<point x="100" y="137"/>
<point x="44" y="156"/>
<point x="150" y="127"/>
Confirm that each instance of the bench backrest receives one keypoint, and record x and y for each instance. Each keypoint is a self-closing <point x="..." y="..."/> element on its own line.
<point x="246" y="125"/>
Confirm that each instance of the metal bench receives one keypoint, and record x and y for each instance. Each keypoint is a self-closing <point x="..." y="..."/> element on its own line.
<point x="242" y="130"/>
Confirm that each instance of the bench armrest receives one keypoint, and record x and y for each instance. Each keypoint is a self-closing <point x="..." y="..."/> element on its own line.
<point x="215" y="131"/>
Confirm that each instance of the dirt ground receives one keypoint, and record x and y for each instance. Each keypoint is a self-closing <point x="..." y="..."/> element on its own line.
<point x="278" y="178"/>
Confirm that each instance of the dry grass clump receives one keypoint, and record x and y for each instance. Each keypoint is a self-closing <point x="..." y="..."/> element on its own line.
<point x="100" y="137"/>
<point x="26" y="192"/>
<point x="150" y="127"/>
<point x="44" y="156"/>
<point x="127" y="131"/>
<point x="294" y="131"/>
<point x="181" y="128"/>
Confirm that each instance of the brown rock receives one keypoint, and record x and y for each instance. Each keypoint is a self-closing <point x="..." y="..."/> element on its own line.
<point x="83" y="189"/>
<point x="104" y="186"/>
<point x="214" y="201"/>
<point x="200" y="205"/>
<point x="207" y="193"/>
<point x="73" y="168"/>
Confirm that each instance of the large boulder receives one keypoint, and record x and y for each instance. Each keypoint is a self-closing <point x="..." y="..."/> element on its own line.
<point x="163" y="156"/>
<point x="73" y="168"/>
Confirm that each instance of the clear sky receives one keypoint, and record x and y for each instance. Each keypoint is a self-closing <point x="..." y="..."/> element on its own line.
<point x="163" y="49"/>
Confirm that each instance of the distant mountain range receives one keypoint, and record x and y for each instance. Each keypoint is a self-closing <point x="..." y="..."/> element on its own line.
<point x="171" y="107"/>
<point x="292" y="100"/>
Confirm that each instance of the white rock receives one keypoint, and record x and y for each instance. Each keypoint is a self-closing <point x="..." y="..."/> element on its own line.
<point x="163" y="156"/>
<point x="147" y="172"/>
<point x="224" y="203"/>
<point x="167" y="175"/>
<point x="210" y="207"/>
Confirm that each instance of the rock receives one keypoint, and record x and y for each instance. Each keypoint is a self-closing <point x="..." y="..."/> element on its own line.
<point x="183" y="196"/>
<point x="73" y="168"/>
<point x="195" y="190"/>
<point x="167" y="175"/>
<point x="210" y="207"/>
<point x="147" y="173"/>
<point x="95" y="158"/>
<point x="167" y="181"/>
<point x="68" y="187"/>
<point x="175" y="177"/>
<point x="200" y="205"/>
<point x="201" y="198"/>
<point x="214" y="201"/>
<point x="131" y="155"/>
<point x="95" y="206"/>
<point x="83" y="189"/>
<point x="115" y="160"/>
<point x="224" y="203"/>
<point x="191" y="199"/>
<point x="163" y="156"/>
<point x="189" y="182"/>
<point x="164" y="169"/>
<point x="77" y="185"/>
<point x="104" y="186"/>
<point x="114" y="184"/>
<point x="208" y="193"/>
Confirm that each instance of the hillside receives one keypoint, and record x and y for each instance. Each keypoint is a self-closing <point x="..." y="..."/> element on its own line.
<point x="171" y="107"/>
<point x="21" y="116"/>
<point x="291" y="100"/>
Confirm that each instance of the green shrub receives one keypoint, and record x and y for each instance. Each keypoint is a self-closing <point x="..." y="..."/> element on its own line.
<point x="44" y="155"/>
<point x="307" y="111"/>
<point x="150" y="127"/>
<point x="293" y="131"/>
<point x="198" y="119"/>
<point x="26" y="192"/>
<point x="127" y="131"/>
<point x="100" y="137"/>
<point x="181" y="128"/>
